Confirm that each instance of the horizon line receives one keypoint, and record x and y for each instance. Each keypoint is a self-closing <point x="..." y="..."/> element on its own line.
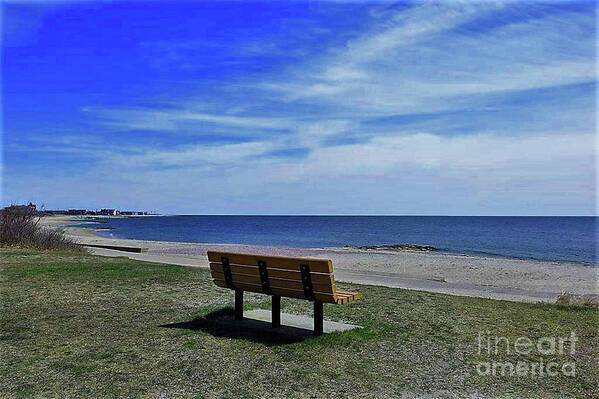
<point x="368" y="215"/>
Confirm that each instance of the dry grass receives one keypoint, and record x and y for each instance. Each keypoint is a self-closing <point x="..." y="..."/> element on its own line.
<point x="569" y="299"/>
<point x="21" y="228"/>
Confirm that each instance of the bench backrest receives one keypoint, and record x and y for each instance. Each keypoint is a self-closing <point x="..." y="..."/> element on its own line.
<point x="305" y="278"/>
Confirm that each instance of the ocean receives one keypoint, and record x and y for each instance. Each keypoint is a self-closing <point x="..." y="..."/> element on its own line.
<point x="546" y="238"/>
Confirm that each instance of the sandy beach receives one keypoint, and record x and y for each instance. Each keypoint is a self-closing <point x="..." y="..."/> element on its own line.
<point x="486" y="277"/>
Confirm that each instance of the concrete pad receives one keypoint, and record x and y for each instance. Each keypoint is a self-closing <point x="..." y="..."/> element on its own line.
<point x="256" y="326"/>
<point x="297" y="321"/>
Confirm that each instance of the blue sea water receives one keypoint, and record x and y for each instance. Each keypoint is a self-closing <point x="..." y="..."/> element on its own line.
<point x="547" y="238"/>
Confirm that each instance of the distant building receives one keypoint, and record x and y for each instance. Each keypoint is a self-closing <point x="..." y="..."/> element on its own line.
<point x="77" y="211"/>
<point x="109" y="212"/>
<point x="52" y="212"/>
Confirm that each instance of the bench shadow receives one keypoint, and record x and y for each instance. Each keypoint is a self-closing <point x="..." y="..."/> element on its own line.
<point x="222" y="323"/>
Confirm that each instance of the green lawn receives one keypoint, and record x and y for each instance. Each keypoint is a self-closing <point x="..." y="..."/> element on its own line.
<point x="75" y="325"/>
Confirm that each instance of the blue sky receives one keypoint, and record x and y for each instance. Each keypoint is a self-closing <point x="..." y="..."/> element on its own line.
<point x="426" y="108"/>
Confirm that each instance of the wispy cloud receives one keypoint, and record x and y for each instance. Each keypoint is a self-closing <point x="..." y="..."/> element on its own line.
<point x="168" y="120"/>
<point x="196" y="155"/>
<point x="421" y="58"/>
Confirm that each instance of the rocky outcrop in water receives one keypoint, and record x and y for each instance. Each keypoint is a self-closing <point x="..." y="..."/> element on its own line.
<point x="396" y="247"/>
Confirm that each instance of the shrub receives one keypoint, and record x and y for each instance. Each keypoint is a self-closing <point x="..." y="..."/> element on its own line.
<point x="569" y="299"/>
<point x="21" y="228"/>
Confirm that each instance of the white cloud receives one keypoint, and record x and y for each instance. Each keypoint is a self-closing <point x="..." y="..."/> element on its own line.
<point x="412" y="173"/>
<point x="543" y="156"/>
<point x="514" y="156"/>
<point x="414" y="61"/>
<point x="411" y="27"/>
<point x="198" y="155"/>
<point x="171" y="120"/>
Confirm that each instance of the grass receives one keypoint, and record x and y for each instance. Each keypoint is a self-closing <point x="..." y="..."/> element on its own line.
<point x="75" y="325"/>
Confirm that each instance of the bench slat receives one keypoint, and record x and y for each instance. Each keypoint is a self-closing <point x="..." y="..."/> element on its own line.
<point x="290" y="293"/>
<point x="292" y="284"/>
<point x="278" y="262"/>
<point x="317" y="278"/>
<point x="345" y="294"/>
<point x="347" y="297"/>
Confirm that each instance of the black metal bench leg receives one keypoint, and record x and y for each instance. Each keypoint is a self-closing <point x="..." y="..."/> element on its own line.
<point x="238" y="305"/>
<point x="318" y="318"/>
<point x="276" y="311"/>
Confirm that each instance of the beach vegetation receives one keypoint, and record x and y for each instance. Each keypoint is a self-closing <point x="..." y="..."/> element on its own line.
<point x="570" y="299"/>
<point x="20" y="227"/>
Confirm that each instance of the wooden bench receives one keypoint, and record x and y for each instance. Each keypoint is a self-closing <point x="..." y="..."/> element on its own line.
<point x="303" y="278"/>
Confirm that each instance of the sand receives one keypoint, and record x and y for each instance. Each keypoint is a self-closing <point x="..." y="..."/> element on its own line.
<point x="486" y="277"/>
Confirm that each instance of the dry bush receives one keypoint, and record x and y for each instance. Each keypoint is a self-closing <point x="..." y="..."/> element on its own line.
<point x="21" y="228"/>
<point x="569" y="299"/>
